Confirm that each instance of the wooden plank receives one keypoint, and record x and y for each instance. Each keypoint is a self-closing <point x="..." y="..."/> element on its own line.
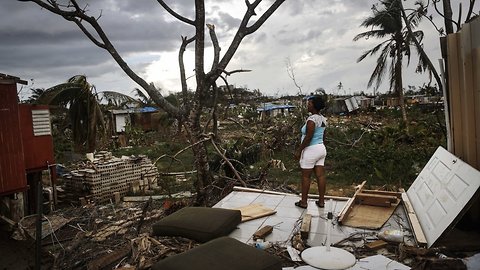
<point x="305" y="227"/>
<point x="238" y="188"/>
<point x="11" y="224"/>
<point x="475" y="29"/>
<point x="378" y="196"/>
<point x="468" y="98"/>
<point x="142" y="198"/>
<point x="375" y="200"/>
<point x="413" y="220"/>
<point x="382" y="192"/>
<point x="263" y="232"/>
<point x="476" y="87"/>
<point x="376" y="245"/>
<point x="110" y="258"/>
<point x="349" y="205"/>
<point x="254" y="211"/>
<point x="454" y="93"/>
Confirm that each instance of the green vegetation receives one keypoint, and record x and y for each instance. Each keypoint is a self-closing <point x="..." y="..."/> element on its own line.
<point x="370" y="147"/>
<point x="366" y="146"/>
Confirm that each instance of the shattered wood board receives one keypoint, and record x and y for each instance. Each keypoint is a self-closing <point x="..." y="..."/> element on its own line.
<point x="441" y="193"/>
<point x="368" y="216"/>
<point x="369" y="209"/>
<point x="254" y="211"/>
<point x="50" y="224"/>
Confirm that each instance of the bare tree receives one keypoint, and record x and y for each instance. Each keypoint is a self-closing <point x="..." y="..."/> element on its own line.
<point x="291" y="74"/>
<point x="187" y="114"/>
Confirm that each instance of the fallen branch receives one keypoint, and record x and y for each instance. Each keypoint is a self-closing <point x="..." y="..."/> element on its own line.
<point x="145" y="207"/>
<point x="229" y="164"/>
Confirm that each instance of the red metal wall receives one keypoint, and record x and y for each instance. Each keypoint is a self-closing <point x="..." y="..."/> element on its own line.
<point x="38" y="150"/>
<point x="12" y="166"/>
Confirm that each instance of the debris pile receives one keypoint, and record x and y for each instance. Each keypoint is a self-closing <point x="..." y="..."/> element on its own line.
<point x="108" y="236"/>
<point x="109" y="178"/>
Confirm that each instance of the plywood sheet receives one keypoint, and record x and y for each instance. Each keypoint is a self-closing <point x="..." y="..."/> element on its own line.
<point x="368" y="216"/>
<point x="254" y="211"/>
<point x="455" y="86"/>
<point x="468" y="97"/>
<point x="441" y="191"/>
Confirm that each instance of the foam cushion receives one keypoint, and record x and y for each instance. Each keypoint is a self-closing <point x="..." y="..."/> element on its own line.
<point x="220" y="254"/>
<point x="201" y="224"/>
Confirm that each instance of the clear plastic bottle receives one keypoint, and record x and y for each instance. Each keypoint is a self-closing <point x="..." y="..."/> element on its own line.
<point x="391" y="235"/>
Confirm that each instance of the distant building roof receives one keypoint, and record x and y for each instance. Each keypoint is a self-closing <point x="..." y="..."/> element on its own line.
<point x="271" y="106"/>
<point x="135" y="110"/>
<point x="7" y="77"/>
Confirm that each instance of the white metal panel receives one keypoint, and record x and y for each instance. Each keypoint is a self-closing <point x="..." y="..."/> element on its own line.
<point x="120" y="122"/>
<point x="441" y="191"/>
<point x="352" y="104"/>
<point x="41" y="122"/>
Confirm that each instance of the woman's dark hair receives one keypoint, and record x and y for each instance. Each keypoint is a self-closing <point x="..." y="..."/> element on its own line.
<point x="318" y="102"/>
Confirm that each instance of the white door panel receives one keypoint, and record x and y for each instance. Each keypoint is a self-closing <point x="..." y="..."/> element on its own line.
<point x="441" y="191"/>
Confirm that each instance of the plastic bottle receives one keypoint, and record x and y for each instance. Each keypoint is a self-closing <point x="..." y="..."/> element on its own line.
<point x="260" y="244"/>
<point x="391" y="235"/>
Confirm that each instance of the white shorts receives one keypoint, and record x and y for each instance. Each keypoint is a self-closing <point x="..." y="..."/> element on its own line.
<point x="313" y="155"/>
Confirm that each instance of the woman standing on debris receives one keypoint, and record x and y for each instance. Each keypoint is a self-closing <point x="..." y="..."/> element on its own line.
<point x="312" y="151"/>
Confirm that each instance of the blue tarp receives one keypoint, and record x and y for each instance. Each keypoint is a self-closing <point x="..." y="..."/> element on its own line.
<point x="146" y="109"/>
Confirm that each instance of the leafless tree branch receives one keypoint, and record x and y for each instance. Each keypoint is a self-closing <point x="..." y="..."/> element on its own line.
<point x="174" y="14"/>
<point x="216" y="46"/>
<point x="243" y="30"/>
<point x="75" y="14"/>
<point x="183" y="79"/>
<point x="228" y="73"/>
<point x="291" y="74"/>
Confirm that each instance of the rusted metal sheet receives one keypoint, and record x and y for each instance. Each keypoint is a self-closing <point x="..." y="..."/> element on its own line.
<point x="36" y="137"/>
<point x="12" y="167"/>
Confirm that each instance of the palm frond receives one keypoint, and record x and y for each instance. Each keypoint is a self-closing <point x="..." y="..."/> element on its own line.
<point x="84" y="110"/>
<point x="371" y="34"/>
<point x="379" y="71"/>
<point x="143" y="98"/>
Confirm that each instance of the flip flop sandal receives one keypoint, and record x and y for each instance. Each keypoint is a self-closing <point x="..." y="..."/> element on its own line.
<point x="299" y="204"/>
<point x="321" y="205"/>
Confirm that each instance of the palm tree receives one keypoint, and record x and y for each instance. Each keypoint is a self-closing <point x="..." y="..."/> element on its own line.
<point x="386" y="23"/>
<point x="84" y="110"/>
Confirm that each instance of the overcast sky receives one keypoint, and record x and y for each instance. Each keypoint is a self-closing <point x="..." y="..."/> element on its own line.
<point x="314" y="36"/>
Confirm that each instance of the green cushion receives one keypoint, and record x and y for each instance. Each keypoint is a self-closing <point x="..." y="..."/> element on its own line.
<point x="201" y="224"/>
<point x="220" y="254"/>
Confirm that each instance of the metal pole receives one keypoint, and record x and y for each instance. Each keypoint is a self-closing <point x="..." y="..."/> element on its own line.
<point x="38" y="232"/>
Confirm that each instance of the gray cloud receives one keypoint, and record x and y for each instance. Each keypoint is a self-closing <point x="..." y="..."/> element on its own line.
<point x="315" y="35"/>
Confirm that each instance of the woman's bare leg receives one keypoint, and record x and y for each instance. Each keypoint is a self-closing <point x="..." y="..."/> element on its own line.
<point x="321" y="182"/>
<point x="306" y="173"/>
